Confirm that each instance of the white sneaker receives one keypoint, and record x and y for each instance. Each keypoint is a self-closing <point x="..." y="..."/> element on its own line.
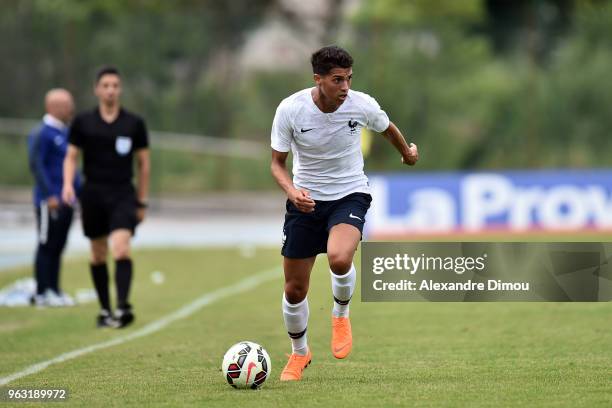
<point x="67" y="299"/>
<point x="55" y="299"/>
<point x="38" y="301"/>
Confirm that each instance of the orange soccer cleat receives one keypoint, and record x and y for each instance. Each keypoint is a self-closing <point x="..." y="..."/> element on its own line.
<point x="342" y="337"/>
<point x="295" y="366"/>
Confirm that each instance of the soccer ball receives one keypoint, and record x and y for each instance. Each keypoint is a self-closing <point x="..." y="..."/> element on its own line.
<point x="246" y="365"/>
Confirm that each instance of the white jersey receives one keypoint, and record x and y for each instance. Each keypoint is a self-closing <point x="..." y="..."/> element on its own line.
<point x="326" y="147"/>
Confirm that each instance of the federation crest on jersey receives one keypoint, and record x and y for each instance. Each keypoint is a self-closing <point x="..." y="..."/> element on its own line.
<point x="123" y="145"/>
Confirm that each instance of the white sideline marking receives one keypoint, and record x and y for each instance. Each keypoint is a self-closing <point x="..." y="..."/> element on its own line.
<point x="152" y="327"/>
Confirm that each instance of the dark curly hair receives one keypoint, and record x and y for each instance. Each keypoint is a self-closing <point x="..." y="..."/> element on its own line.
<point x="327" y="58"/>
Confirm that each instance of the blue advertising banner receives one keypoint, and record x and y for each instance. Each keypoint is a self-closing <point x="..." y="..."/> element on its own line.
<point x="511" y="201"/>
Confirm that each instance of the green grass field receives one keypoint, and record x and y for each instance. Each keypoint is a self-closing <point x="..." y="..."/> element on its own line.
<point x="405" y="354"/>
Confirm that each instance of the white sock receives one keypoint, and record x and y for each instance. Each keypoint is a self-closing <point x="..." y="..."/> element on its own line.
<point x="296" y="322"/>
<point x="343" y="287"/>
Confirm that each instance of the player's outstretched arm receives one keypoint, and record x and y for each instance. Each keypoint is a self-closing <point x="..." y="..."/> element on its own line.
<point x="300" y="198"/>
<point x="70" y="163"/>
<point x="410" y="153"/>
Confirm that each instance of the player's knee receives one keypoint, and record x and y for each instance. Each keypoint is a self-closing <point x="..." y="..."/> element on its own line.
<point x="121" y="251"/>
<point x="99" y="251"/>
<point x="98" y="257"/>
<point x="295" y="292"/>
<point x="339" y="262"/>
<point x="120" y="246"/>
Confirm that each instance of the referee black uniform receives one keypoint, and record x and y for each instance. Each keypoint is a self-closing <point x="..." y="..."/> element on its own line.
<point x="108" y="198"/>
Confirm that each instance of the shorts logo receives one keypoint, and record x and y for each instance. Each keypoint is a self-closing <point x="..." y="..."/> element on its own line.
<point x="123" y="145"/>
<point x="354" y="216"/>
<point x="284" y="239"/>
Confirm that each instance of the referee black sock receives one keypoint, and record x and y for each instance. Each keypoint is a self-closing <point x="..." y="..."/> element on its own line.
<point x="123" y="281"/>
<point x="99" y="274"/>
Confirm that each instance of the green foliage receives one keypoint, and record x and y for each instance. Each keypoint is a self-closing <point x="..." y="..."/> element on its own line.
<point x="439" y="71"/>
<point x="417" y="12"/>
<point x="162" y="48"/>
<point x="441" y="86"/>
<point x="468" y="107"/>
<point x="14" y="159"/>
<point x="187" y="173"/>
<point x="172" y="172"/>
<point x="257" y="96"/>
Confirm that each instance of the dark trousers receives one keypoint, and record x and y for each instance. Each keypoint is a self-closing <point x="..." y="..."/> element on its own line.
<point x="52" y="228"/>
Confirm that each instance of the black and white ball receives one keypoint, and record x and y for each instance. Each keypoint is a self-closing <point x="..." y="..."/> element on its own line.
<point x="246" y="365"/>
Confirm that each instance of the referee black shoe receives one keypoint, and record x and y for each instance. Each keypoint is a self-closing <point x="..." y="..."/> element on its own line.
<point x="124" y="317"/>
<point x="105" y="319"/>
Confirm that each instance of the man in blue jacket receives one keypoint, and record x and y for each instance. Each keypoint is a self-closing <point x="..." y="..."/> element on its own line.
<point x="47" y="146"/>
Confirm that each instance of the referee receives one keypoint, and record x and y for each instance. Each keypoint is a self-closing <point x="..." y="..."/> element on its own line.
<point x="109" y="137"/>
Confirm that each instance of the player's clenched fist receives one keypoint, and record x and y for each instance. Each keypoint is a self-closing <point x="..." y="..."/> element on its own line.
<point x="301" y="199"/>
<point x="412" y="156"/>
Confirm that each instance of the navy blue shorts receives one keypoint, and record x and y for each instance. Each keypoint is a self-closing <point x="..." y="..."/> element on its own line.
<point x="305" y="234"/>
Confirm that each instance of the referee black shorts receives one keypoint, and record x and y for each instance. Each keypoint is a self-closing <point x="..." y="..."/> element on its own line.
<point x="106" y="208"/>
<point x="305" y="234"/>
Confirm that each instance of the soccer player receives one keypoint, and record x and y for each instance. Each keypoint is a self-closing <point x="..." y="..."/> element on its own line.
<point x="329" y="195"/>
<point x="47" y="148"/>
<point x="109" y="137"/>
